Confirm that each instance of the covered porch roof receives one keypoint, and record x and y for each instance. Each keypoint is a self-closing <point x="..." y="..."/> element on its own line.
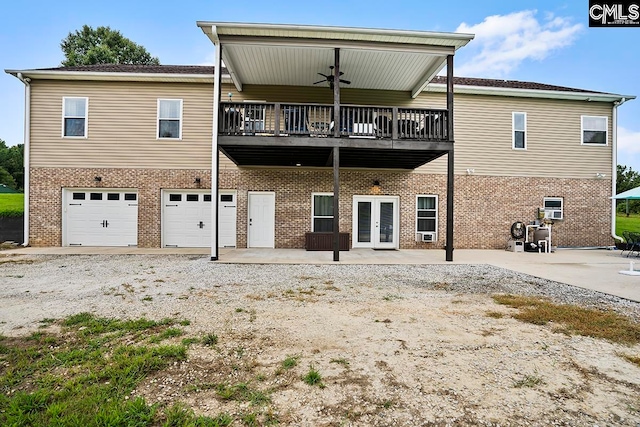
<point x="293" y="55"/>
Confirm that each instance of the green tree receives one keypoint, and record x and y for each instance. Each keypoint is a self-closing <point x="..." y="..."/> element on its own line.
<point x="627" y="179"/>
<point x="6" y="178"/>
<point x="11" y="162"/>
<point x="103" y="46"/>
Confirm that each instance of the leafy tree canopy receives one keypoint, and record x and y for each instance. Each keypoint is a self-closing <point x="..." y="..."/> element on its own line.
<point x="11" y="165"/>
<point x="627" y="179"/>
<point x="103" y="46"/>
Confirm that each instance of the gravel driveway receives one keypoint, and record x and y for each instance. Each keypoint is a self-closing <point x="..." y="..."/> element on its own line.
<point x="397" y="345"/>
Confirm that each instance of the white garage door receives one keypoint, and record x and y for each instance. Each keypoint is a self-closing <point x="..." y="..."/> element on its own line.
<point x="186" y="219"/>
<point x="104" y="217"/>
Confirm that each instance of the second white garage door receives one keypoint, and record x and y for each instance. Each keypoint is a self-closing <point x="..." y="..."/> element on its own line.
<point x="186" y="219"/>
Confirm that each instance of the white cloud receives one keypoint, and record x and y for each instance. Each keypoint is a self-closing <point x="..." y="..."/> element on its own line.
<point x="503" y="42"/>
<point x="628" y="143"/>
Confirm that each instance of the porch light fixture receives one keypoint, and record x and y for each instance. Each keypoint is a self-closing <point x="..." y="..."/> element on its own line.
<point x="470" y="171"/>
<point x="600" y="175"/>
<point x="376" y="183"/>
<point x="197" y="181"/>
<point x="97" y="179"/>
<point x="298" y="164"/>
<point x="229" y="95"/>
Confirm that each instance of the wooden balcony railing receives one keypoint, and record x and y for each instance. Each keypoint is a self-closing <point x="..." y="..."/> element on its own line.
<point x="316" y="120"/>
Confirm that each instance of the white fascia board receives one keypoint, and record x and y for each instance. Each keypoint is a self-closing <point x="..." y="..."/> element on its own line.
<point x="530" y="93"/>
<point x="117" y="76"/>
<point x="456" y="40"/>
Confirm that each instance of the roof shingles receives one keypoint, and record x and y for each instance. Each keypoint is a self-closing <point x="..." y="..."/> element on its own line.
<point x="208" y="70"/>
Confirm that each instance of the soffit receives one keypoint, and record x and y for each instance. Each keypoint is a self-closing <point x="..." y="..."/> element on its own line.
<point x="260" y="54"/>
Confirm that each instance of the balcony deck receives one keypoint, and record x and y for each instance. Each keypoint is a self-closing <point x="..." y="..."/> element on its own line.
<point x="316" y="120"/>
<point x="289" y="134"/>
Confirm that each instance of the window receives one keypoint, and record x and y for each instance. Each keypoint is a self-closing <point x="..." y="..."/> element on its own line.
<point x="95" y="196"/>
<point x="74" y="117"/>
<point x="113" y="196"/>
<point x="322" y="212"/>
<point x="175" y="197"/>
<point x="78" y="196"/>
<point x="130" y="196"/>
<point x="192" y="198"/>
<point x="594" y="130"/>
<point x="170" y="118"/>
<point x="553" y="207"/>
<point x="207" y="197"/>
<point x="427" y="214"/>
<point x="519" y="123"/>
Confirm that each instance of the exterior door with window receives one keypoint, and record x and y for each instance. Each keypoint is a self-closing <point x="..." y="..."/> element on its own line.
<point x="375" y="222"/>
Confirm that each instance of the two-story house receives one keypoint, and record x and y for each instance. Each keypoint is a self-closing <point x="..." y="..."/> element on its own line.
<point x="307" y="135"/>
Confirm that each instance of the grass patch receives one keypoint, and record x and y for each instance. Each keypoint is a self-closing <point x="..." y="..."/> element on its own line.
<point x="290" y="362"/>
<point x="313" y="377"/>
<point x="84" y="375"/>
<point x="242" y="392"/>
<point x="633" y="359"/>
<point x="632" y="223"/>
<point x="573" y="319"/>
<point x="209" y="340"/>
<point x="528" y="381"/>
<point x="340" y="361"/>
<point x="11" y="205"/>
<point x="494" y="314"/>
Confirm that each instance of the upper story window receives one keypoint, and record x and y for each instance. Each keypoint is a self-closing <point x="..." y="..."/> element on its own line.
<point x="322" y="212"/>
<point x="594" y="130"/>
<point x="519" y="123"/>
<point x="170" y="118"/>
<point x="74" y="117"/>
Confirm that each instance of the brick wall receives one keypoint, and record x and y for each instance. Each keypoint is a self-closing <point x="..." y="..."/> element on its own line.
<point x="485" y="207"/>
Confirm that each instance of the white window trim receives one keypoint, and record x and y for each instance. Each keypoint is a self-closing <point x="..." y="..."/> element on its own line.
<point x="86" y="117"/>
<point x="179" y="138"/>
<point x="436" y="209"/>
<point x="313" y="208"/>
<point x="561" y="199"/>
<point x="606" y="131"/>
<point x="513" y="130"/>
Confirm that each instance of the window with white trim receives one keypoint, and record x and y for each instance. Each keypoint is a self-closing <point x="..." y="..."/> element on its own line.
<point x="74" y="117"/>
<point x="426" y="213"/>
<point x="169" y="118"/>
<point x="553" y="207"/>
<point x="519" y="131"/>
<point x="322" y="212"/>
<point x="594" y="130"/>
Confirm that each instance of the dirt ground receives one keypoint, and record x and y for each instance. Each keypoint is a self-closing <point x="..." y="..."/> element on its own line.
<point x="389" y="350"/>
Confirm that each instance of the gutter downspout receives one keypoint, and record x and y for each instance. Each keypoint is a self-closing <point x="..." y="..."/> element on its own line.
<point x="26" y="155"/>
<point x="614" y="166"/>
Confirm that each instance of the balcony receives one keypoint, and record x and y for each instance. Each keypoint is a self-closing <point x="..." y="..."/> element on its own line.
<point x="289" y="134"/>
<point x="316" y="120"/>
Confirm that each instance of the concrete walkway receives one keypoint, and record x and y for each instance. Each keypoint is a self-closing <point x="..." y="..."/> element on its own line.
<point x="591" y="269"/>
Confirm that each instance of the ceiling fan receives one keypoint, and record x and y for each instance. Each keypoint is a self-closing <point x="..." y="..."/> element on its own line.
<point x="330" y="78"/>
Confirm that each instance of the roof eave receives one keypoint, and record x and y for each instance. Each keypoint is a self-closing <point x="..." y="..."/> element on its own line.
<point x="116" y="76"/>
<point x="530" y="93"/>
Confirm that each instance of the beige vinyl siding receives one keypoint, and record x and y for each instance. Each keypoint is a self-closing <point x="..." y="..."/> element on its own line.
<point x="483" y="138"/>
<point x="122" y="126"/>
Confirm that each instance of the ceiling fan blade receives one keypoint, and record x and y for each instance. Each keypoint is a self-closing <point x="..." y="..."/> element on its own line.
<point x="347" y="82"/>
<point x="324" y="75"/>
<point x="321" y="81"/>
<point x="341" y="73"/>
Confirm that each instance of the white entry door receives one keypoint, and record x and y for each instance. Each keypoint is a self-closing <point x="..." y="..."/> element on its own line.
<point x="187" y="221"/>
<point x="100" y="217"/>
<point x="262" y="220"/>
<point x="375" y="222"/>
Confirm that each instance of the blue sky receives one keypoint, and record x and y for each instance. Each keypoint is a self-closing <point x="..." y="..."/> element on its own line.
<point x="542" y="41"/>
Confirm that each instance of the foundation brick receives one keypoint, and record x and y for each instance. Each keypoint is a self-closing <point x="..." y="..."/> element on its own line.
<point x="485" y="206"/>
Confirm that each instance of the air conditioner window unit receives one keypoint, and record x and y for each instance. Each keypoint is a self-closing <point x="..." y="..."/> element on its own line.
<point x="552" y="214"/>
<point x="426" y="236"/>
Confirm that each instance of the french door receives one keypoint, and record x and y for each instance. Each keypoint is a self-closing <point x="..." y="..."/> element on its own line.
<point x="375" y="222"/>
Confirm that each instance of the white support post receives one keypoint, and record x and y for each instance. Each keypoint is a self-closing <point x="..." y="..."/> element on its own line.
<point x="214" y="146"/>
